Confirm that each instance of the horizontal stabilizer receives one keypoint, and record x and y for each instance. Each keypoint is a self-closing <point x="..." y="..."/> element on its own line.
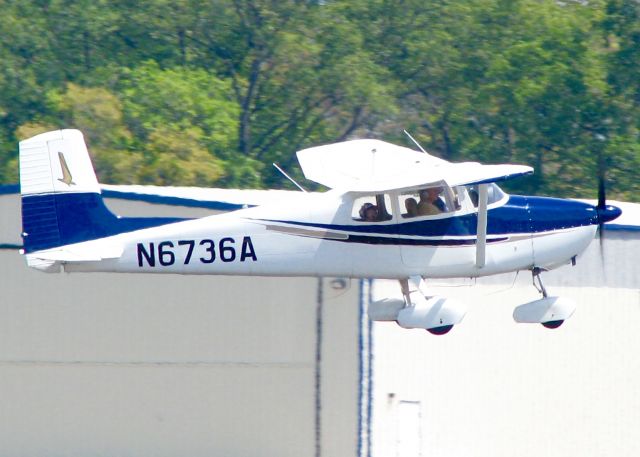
<point x="79" y="254"/>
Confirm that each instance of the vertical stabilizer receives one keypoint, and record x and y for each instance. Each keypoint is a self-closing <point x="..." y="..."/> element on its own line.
<point x="56" y="162"/>
<point x="61" y="201"/>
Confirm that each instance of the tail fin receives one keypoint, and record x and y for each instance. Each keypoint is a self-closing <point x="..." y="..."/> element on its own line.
<point x="61" y="201"/>
<point x="56" y="162"/>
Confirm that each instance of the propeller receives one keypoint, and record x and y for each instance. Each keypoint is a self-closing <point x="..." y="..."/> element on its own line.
<point x="600" y="208"/>
<point x="605" y="212"/>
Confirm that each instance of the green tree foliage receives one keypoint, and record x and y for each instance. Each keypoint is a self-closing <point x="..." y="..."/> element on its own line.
<point x="161" y="105"/>
<point x="210" y="93"/>
<point x="98" y="114"/>
<point x="515" y="81"/>
<point x="300" y="75"/>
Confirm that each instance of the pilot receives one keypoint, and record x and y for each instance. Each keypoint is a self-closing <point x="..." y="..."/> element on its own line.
<point x="412" y="207"/>
<point x="369" y="212"/>
<point x="430" y="202"/>
<point x="473" y="194"/>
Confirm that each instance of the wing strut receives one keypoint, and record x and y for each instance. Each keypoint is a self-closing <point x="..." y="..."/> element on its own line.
<point x="481" y="230"/>
<point x="289" y="177"/>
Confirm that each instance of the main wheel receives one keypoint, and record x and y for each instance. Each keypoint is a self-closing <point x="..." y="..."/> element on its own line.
<point x="440" y="330"/>
<point x="553" y="324"/>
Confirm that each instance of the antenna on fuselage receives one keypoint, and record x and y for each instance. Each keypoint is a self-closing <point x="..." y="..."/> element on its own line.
<point x="414" y="140"/>
<point x="289" y="177"/>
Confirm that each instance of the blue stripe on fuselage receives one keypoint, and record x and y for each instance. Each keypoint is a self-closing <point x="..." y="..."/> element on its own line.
<point x="51" y="220"/>
<point x="401" y="241"/>
<point x="519" y="215"/>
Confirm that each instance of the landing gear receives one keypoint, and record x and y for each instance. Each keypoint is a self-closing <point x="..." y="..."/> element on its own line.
<point x="406" y="293"/>
<point x="435" y="314"/>
<point x="440" y="330"/>
<point x="552" y="324"/>
<point x="551" y="312"/>
<point x="535" y="274"/>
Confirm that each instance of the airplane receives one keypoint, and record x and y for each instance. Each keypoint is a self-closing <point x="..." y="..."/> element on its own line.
<point x="391" y="212"/>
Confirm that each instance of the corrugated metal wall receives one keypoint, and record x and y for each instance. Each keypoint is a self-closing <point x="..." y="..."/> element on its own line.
<point x="99" y="364"/>
<point x="492" y="387"/>
<point x="135" y="365"/>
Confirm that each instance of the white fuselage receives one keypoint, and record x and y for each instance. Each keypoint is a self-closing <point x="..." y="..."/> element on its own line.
<point x="312" y="237"/>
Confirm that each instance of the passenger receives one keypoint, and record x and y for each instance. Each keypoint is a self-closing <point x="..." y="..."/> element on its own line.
<point x="430" y="202"/>
<point x="412" y="207"/>
<point x="369" y="212"/>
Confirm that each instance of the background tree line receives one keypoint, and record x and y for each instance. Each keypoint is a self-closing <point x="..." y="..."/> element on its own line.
<point x="211" y="92"/>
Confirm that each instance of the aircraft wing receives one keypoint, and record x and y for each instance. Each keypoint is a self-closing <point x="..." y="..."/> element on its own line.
<point x="377" y="166"/>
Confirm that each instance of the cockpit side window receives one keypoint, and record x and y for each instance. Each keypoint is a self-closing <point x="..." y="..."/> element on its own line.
<point x="430" y="201"/>
<point x="372" y="208"/>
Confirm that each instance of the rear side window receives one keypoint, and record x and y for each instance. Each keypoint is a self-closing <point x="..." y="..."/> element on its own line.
<point x="372" y="208"/>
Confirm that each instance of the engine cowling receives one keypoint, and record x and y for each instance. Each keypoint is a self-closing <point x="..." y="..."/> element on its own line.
<point x="549" y="311"/>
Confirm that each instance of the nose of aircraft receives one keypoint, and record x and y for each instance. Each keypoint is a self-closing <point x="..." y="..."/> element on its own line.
<point x="608" y="213"/>
<point x="554" y="213"/>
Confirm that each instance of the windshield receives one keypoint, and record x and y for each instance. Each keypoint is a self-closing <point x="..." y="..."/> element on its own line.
<point x="494" y="193"/>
